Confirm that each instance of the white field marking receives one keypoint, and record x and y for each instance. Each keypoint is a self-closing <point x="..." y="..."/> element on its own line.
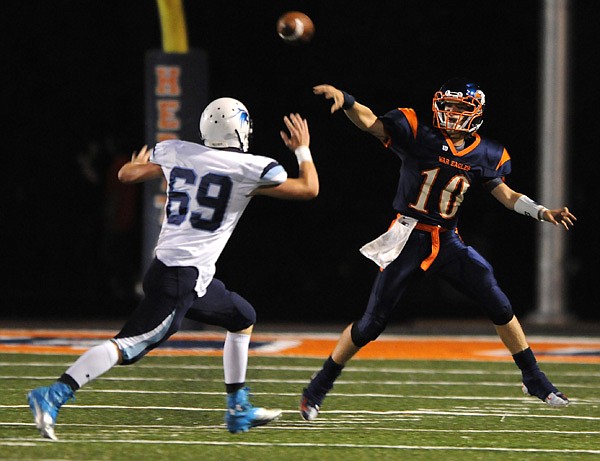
<point x="19" y="444"/>
<point x="349" y="369"/>
<point x="321" y="445"/>
<point x="418" y="412"/>
<point x="303" y="381"/>
<point x="329" y="424"/>
<point x="524" y="399"/>
<point x="471" y="384"/>
<point x="518" y="401"/>
<point x="191" y="427"/>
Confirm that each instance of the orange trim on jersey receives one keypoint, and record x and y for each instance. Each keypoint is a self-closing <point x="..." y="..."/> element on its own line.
<point x="505" y="158"/>
<point x="466" y="150"/>
<point x="411" y="118"/>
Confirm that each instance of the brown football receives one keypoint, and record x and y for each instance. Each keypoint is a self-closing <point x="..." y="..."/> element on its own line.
<point x="295" y="27"/>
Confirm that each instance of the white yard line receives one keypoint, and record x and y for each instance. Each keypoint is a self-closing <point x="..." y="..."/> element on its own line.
<point x="470" y="412"/>
<point x="310" y="369"/>
<point x="308" y="445"/>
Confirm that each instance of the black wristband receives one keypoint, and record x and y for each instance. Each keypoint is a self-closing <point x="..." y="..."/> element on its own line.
<point x="348" y="101"/>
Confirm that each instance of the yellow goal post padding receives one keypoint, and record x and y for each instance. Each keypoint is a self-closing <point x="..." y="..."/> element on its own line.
<point x="173" y="27"/>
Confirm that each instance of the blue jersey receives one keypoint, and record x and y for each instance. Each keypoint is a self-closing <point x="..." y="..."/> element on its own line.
<point x="434" y="176"/>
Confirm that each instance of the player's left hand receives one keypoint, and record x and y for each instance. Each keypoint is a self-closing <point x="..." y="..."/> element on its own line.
<point x="560" y="216"/>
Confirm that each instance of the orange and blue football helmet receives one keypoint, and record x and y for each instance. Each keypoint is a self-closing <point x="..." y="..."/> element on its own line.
<point x="458" y="106"/>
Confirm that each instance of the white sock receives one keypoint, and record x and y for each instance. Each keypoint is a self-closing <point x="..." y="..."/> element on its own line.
<point x="96" y="361"/>
<point x="235" y="357"/>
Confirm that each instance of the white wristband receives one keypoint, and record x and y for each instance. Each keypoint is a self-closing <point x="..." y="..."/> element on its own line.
<point x="525" y="206"/>
<point x="303" y="154"/>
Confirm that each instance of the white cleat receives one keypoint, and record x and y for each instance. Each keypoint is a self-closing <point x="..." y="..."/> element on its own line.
<point x="557" y="400"/>
<point x="264" y="416"/>
<point x="554" y="399"/>
<point x="309" y="410"/>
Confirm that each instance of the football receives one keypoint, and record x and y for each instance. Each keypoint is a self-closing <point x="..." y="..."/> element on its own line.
<point x="295" y="27"/>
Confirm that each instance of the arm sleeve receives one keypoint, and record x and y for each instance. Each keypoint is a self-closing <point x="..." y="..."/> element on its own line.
<point x="496" y="163"/>
<point x="273" y="173"/>
<point x="491" y="184"/>
<point x="264" y="171"/>
<point x="163" y="154"/>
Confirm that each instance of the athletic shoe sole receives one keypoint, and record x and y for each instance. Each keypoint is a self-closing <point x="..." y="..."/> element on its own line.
<point x="43" y="421"/>
<point x="260" y="417"/>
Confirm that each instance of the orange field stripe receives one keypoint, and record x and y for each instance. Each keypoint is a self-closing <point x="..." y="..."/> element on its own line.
<point x="574" y="350"/>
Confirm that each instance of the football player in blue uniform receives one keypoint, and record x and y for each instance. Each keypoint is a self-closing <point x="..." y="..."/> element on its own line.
<point x="209" y="186"/>
<point x="438" y="166"/>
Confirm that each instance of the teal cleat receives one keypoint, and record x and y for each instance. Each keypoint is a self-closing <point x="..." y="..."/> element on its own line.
<point x="241" y="415"/>
<point x="45" y="403"/>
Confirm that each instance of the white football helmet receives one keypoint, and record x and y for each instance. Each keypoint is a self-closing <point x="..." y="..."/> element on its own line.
<point x="225" y="122"/>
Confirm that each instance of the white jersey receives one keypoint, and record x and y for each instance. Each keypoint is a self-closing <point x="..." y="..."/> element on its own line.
<point x="207" y="192"/>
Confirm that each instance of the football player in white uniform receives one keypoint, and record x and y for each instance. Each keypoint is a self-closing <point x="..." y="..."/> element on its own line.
<point x="209" y="186"/>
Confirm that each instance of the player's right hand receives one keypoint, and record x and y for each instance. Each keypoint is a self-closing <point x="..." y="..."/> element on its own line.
<point x="331" y="92"/>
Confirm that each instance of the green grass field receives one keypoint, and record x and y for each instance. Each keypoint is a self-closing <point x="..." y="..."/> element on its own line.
<point x="172" y="408"/>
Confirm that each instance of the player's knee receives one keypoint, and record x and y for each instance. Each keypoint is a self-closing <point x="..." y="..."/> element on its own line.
<point x="363" y="333"/>
<point x="504" y="321"/>
<point x="497" y="305"/>
<point x="244" y="317"/>
<point x="501" y="315"/>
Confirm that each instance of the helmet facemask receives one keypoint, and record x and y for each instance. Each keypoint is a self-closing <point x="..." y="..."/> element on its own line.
<point x="454" y="111"/>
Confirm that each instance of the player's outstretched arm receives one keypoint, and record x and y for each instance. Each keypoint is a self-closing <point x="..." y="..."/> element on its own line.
<point x="306" y="185"/>
<point x="139" y="168"/>
<point x="359" y="114"/>
<point x="524" y="205"/>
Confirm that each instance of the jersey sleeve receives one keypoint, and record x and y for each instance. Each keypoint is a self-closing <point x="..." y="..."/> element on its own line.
<point x="497" y="162"/>
<point x="273" y="173"/>
<point x="401" y="127"/>
<point x="266" y="171"/>
<point x="504" y="166"/>
<point x="164" y="153"/>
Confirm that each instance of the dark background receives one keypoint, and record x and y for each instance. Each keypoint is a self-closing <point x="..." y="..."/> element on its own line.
<point x="73" y="111"/>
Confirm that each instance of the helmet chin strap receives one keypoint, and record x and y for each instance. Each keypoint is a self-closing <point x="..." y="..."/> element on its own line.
<point x="240" y="140"/>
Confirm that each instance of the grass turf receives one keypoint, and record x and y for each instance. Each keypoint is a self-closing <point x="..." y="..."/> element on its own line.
<point x="166" y="408"/>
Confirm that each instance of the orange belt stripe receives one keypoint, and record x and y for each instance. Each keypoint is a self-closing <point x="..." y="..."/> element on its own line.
<point x="435" y="241"/>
